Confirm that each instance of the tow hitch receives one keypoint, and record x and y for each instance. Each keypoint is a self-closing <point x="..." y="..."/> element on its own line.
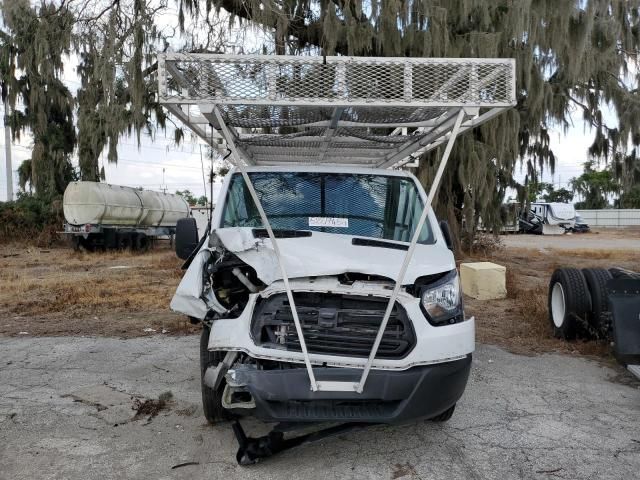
<point x="252" y="450"/>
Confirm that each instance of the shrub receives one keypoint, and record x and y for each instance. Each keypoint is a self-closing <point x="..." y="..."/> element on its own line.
<point x="31" y="218"/>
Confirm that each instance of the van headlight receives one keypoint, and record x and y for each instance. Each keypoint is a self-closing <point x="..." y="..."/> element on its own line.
<point x="441" y="301"/>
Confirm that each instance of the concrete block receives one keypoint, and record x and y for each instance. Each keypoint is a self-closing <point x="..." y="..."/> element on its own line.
<point x="483" y="280"/>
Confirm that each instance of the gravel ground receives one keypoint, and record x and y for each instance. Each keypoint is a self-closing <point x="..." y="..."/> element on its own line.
<point x="67" y="411"/>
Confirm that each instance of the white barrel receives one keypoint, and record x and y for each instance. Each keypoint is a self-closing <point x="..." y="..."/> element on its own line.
<point x="104" y="204"/>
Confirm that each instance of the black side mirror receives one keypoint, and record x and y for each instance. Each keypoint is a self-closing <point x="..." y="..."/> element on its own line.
<point x="186" y="237"/>
<point x="446" y="233"/>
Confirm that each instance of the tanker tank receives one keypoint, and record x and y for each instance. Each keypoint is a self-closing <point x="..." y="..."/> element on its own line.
<point x="114" y="216"/>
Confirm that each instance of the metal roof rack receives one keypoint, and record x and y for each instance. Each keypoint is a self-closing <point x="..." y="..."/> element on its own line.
<point x="373" y="112"/>
<point x="279" y="110"/>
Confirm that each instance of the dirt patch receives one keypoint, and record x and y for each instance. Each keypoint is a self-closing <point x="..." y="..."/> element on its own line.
<point x="58" y="291"/>
<point x="150" y="408"/>
<point x="402" y="470"/>
<point x="520" y="322"/>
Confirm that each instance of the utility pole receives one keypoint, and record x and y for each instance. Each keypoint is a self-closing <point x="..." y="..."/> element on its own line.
<point x="7" y="152"/>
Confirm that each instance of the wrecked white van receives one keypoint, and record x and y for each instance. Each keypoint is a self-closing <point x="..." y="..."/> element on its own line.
<point x="326" y="288"/>
<point x="343" y="234"/>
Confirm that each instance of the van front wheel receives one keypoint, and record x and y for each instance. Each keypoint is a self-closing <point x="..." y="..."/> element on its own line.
<point x="211" y="399"/>
<point x="444" y="416"/>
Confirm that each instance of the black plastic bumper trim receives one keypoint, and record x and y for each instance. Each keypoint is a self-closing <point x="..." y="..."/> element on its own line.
<point x="388" y="396"/>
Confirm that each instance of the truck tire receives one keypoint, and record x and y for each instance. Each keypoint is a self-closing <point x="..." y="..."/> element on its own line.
<point x="568" y="302"/>
<point x="599" y="317"/>
<point x="142" y="242"/>
<point x="444" y="416"/>
<point x="75" y="243"/>
<point x="124" y="241"/>
<point x="211" y="399"/>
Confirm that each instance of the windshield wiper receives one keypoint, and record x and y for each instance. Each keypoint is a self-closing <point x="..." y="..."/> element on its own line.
<point x="262" y="233"/>
<point x="367" y="242"/>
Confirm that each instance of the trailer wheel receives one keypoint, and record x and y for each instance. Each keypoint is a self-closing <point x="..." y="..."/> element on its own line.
<point x="142" y="242"/>
<point x="75" y="243"/>
<point x="444" y="416"/>
<point x="124" y="241"/>
<point x="568" y="302"/>
<point x="214" y="412"/>
<point x="599" y="320"/>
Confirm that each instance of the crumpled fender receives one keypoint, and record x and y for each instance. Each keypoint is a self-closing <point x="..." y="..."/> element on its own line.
<point x="188" y="296"/>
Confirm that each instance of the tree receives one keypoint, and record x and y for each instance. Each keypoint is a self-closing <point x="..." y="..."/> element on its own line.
<point x="595" y="186"/>
<point x="629" y="198"/>
<point x="561" y="195"/>
<point x="31" y="64"/>
<point x="535" y="190"/>
<point x="117" y="44"/>
<point x="188" y="196"/>
<point x="569" y="55"/>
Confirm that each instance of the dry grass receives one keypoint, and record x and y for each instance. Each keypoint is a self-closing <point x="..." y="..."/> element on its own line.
<point x="99" y="290"/>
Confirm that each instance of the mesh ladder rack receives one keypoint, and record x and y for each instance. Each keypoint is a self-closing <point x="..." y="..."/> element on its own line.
<point x="335" y="110"/>
<point x="350" y="111"/>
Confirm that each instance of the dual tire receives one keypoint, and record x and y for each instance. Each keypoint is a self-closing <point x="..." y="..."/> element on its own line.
<point x="569" y="302"/>
<point x="578" y="303"/>
<point x="599" y="318"/>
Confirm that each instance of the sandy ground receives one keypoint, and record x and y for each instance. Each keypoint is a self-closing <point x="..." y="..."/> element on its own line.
<point x="600" y="239"/>
<point x="67" y="412"/>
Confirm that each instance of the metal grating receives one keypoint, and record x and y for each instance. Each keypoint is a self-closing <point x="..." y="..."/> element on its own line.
<point x="338" y="110"/>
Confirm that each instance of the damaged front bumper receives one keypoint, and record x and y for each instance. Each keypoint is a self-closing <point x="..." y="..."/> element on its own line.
<point x="388" y="397"/>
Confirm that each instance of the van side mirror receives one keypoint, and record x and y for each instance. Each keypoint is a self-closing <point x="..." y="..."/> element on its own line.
<point x="446" y="233"/>
<point x="186" y="239"/>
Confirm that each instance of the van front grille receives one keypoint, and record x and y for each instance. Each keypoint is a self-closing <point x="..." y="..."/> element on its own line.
<point x="333" y="324"/>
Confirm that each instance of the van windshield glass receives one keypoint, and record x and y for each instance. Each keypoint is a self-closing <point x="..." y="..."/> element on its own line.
<point x="376" y="206"/>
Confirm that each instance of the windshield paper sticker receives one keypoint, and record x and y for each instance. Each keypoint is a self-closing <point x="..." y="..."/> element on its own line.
<point x="328" y="222"/>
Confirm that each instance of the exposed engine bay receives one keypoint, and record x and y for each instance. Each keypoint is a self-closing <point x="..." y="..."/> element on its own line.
<point x="227" y="284"/>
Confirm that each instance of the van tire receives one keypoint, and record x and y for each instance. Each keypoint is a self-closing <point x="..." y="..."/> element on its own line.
<point x="599" y="320"/>
<point x="444" y="416"/>
<point x="211" y="399"/>
<point x="568" y="302"/>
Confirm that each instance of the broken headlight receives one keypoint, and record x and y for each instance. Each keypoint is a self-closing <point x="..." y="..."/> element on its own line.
<point x="441" y="301"/>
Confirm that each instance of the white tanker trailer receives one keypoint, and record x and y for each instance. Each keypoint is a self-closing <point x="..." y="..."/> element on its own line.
<point x="99" y="215"/>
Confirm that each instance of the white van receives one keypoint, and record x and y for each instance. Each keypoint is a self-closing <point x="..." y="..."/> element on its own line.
<point x="343" y="234"/>
<point x="326" y="288"/>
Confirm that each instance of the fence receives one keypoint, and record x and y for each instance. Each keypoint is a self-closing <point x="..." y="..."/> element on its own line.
<point x="611" y="217"/>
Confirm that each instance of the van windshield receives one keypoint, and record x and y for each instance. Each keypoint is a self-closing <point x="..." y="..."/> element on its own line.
<point x="376" y="206"/>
